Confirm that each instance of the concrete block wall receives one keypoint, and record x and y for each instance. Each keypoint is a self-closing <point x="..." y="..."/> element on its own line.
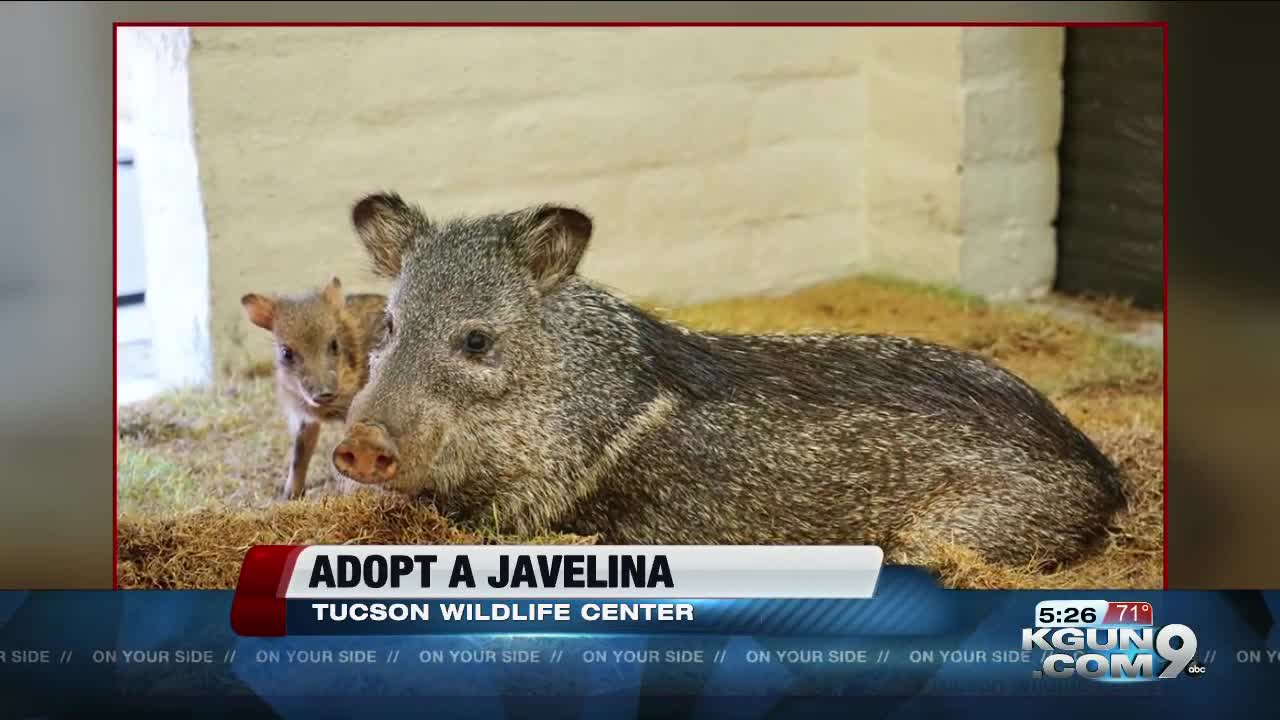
<point x="962" y="175"/>
<point x="1013" y="102"/>
<point x="716" y="161"/>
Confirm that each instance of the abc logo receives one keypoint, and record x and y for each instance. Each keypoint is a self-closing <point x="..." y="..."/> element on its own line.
<point x="1195" y="669"/>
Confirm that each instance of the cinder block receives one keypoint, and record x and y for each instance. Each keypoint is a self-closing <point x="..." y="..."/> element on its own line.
<point x="912" y="193"/>
<point x="713" y="260"/>
<point x="1013" y="116"/>
<point x="795" y="178"/>
<point x="1012" y="190"/>
<point x="436" y="66"/>
<point x="792" y="252"/>
<point x="552" y="140"/>
<point x="810" y="109"/>
<point x="924" y="114"/>
<point x="1013" y="50"/>
<point x="580" y="136"/>
<point x="664" y="57"/>
<point x="929" y="256"/>
<point x="934" y="53"/>
<point x="1008" y="263"/>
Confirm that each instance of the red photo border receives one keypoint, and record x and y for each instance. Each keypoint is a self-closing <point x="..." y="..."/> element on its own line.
<point x="115" y="26"/>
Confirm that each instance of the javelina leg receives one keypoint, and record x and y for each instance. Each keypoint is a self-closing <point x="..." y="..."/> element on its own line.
<point x="305" y="436"/>
<point x="1016" y="529"/>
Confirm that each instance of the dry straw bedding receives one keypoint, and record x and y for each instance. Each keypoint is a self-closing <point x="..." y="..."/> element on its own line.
<point x="200" y="470"/>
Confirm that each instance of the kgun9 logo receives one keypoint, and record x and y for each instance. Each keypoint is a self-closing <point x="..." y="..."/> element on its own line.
<point x="1115" y="654"/>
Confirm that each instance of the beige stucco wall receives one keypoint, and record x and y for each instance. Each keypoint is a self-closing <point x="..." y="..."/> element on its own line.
<point x="716" y="162"/>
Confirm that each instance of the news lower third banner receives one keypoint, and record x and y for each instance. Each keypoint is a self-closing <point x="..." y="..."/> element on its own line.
<point x="630" y="631"/>
<point x="376" y="590"/>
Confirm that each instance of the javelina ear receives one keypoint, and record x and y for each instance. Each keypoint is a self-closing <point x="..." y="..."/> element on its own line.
<point x="553" y="239"/>
<point x="333" y="292"/>
<point x="387" y="226"/>
<point x="261" y="310"/>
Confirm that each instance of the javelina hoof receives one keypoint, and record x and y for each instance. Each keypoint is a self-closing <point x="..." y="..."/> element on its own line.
<point x="366" y="455"/>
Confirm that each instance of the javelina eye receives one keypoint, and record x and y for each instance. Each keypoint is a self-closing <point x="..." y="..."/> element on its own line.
<point x="477" y="342"/>
<point x="333" y="346"/>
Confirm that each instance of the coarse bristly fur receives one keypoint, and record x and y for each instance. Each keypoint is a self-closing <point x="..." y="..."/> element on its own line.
<point x="507" y="387"/>
<point x="322" y="341"/>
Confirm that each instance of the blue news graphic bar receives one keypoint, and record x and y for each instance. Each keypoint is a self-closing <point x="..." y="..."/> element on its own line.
<point x="913" y="650"/>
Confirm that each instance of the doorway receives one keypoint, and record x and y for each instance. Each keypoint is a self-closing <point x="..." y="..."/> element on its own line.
<point x="1110" y="216"/>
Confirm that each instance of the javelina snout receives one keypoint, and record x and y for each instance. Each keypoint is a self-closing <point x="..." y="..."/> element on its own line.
<point x="367" y="455"/>
<point x="320" y="387"/>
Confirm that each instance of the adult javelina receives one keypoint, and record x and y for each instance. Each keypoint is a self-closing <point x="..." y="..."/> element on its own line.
<point x="507" y="386"/>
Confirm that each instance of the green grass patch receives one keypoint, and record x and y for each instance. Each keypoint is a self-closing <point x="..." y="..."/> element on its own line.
<point x="157" y="483"/>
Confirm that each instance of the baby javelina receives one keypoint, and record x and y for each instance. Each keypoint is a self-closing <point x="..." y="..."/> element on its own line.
<point x="321" y="360"/>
